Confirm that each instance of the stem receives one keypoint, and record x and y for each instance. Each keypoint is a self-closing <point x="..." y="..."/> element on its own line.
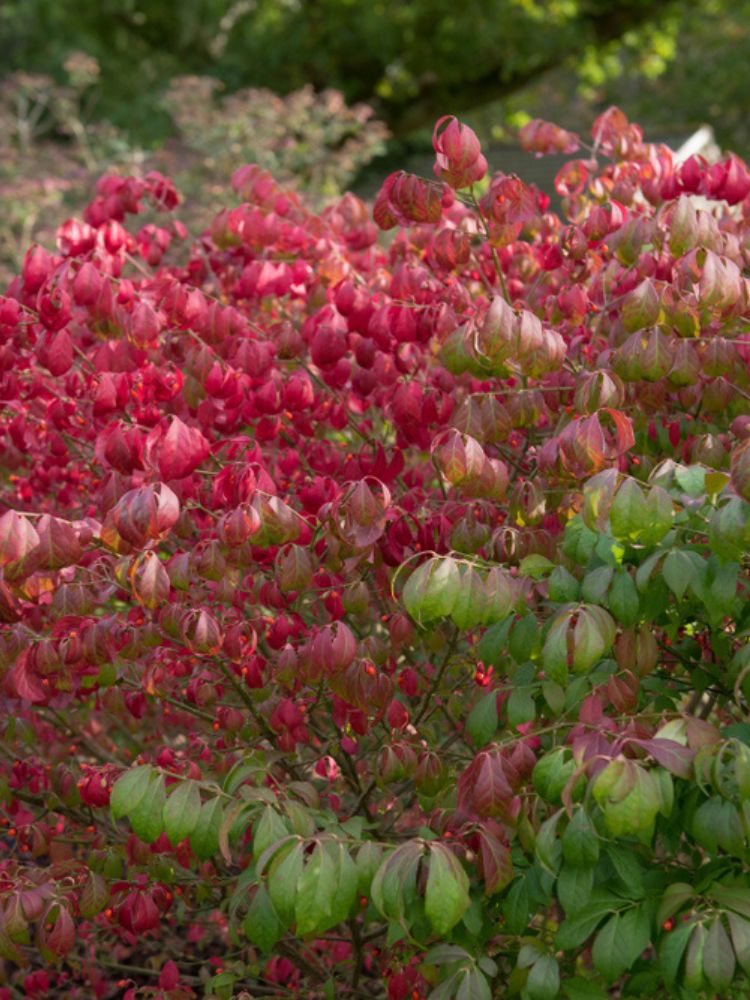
<point x="495" y="258"/>
<point x="360" y="803"/>
<point x="96" y="752"/>
<point x="141" y="970"/>
<point x="357" y="949"/>
<point x="429" y="694"/>
<point x="260" y="721"/>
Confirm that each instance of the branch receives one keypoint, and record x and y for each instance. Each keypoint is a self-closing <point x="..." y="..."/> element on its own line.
<point x="429" y="694"/>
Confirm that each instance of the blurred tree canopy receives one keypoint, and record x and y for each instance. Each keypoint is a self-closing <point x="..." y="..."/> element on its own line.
<point x="414" y="59"/>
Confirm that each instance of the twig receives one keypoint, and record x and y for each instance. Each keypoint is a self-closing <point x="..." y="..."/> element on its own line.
<point x="429" y="694"/>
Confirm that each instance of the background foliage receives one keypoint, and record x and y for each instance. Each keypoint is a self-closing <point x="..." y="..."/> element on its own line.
<point x="415" y="59"/>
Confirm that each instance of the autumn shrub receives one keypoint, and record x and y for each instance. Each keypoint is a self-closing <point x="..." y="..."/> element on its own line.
<point x="374" y="619"/>
<point x="53" y="147"/>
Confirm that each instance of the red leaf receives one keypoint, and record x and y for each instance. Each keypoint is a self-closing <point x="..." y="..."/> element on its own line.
<point x="672" y="755"/>
<point x="18" y="537"/>
<point x="59" y="545"/>
<point x="150" y="580"/>
<point x="169" y="977"/>
<point x="56" y="352"/>
<point x="495" y="864"/>
<point x="24" y="680"/>
<point x="180" y="451"/>
<point x="483" y="787"/>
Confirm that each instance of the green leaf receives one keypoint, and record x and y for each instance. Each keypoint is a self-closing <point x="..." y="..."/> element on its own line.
<point x="473" y="919"/>
<point x="262" y="925"/>
<point x="628" y="514"/>
<point x="283" y="876"/>
<point x="523" y="642"/>
<point x="716" y="823"/>
<point x="630" y="797"/>
<point x="718" y="957"/>
<point x="573" y="931"/>
<point x="715" y="482"/>
<point x="316" y="889"/>
<point x="578" y="541"/>
<point x="222" y="986"/>
<point x="625" y="863"/>
<point x="623" y="599"/>
<point x="554" y="695"/>
<point x="204" y="839"/>
<point x="544" y="979"/>
<point x="678" y="571"/>
<point x="691" y="478"/>
<point x="562" y="586"/>
<point x="493" y="646"/>
<point x="674" y="898"/>
<point x="556" y="648"/>
<point x="693" y="975"/>
<point x="516" y="906"/>
<point x="593" y="635"/>
<point x="598" y="493"/>
<point x="446" y="954"/>
<point x="645" y="570"/>
<point x="447" y="892"/>
<point x="181" y="811"/>
<point x="671" y="950"/>
<point x="739" y="929"/>
<point x="346" y="878"/>
<point x="482" y="721"/>
<point x="521" y="706"/>
<point x="446" y="990"/>
<point x="300" y="818"/>
<point x="732" y="898"/>
<point x="609" y="551"/>
<point x="369" y="857"/>
<point x="536" y="566"/>
<point x="547" y="846"/>
<point x="247" y="879"/>
<point x="583" y="989"/>
<point x="394" y="885"/>
<point x="146" y="818"/>
<point x="620" y="942"/>
<point x="727" y="529"/>
<point x="574" y="887"/>
<point x="239" y="773"/>
<point x="473" y="986"/>
<point x="580" y="841"/>
<point x="498" y="595"/>
<point x="723" y="588"/>
<point x="432" y="590"/>
<point x="269" y="828"/>
<point x="413" y="594"/>
<point x="595" y="584"/>
<point x="659" y="516"/>
<point x="487" y="965"/>
<point x="470" y="605"/>
<point x="640" y="307"/>
<point x="552" y="772"/>
<point x="129" y="790"/>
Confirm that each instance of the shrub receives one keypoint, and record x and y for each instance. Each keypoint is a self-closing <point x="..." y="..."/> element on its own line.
<point x="374" y="620"/>
<point x="310" y="140"/>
